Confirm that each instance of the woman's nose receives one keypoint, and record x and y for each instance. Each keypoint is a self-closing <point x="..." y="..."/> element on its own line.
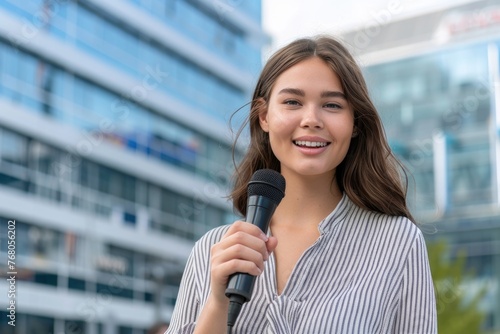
<point x="311" y="118"/>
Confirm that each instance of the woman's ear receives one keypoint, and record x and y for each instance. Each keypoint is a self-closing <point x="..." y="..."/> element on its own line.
<point x="261" y="106"/>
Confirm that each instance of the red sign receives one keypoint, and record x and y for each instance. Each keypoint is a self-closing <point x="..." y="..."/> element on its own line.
<point x="461" y="22"/>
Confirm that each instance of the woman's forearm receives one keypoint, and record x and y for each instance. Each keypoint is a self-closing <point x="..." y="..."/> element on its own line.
<point x="213" y="317"/>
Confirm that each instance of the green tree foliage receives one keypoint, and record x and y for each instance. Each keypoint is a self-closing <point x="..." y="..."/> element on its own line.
<point x="457" y="307"/>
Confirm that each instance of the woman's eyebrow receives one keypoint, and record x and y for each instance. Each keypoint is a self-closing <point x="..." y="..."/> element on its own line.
<point x="333" y="94"/>
<point x="294" y="91"/>
<point x="300" y="92"/>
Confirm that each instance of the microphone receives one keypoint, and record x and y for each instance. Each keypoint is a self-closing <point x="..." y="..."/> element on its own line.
<point x="266" y="189"/>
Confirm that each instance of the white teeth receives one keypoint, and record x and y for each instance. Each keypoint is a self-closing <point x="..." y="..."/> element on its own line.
<point x="310" y="143"/>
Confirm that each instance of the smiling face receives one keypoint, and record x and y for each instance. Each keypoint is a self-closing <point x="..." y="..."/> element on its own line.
<point x="309" y="121"/>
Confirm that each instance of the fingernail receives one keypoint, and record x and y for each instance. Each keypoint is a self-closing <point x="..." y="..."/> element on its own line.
<point x="264" y="237"/>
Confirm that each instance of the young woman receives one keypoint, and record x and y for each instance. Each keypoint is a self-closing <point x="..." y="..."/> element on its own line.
<point x="342" y="254"/>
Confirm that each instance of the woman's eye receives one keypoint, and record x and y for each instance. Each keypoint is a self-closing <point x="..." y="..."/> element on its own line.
<point x="292" y="102"/>
<point x="333" y="106"/>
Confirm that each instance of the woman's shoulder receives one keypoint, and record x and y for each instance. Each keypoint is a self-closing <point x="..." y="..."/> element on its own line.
<point x="392" y="234"/>
<point x="398" y="225"/>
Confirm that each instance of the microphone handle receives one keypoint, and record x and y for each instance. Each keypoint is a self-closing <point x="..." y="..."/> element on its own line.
<point x="260" y="209"/>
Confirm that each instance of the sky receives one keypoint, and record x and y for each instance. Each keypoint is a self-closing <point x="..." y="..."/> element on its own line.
<point x="285" y="20"/>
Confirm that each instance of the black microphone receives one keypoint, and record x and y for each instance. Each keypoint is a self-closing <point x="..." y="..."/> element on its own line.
<point x="266" y="189"/>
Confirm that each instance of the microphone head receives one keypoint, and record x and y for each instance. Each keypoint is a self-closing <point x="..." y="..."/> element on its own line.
<point x="268" y="183"/>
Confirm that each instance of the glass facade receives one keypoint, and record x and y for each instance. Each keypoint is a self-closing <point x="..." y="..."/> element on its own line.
<point x="128" y="51"/>
<point x="51" y="90"/>
<point x="113" y="250"/>
<point x="441" y="97"/>
<point x="42" y="171"/>
<point x="439" y="110"/>
<point x="205" y="26"/>
<point x="119" y="272"/>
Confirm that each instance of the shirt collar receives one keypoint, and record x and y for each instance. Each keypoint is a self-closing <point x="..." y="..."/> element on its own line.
<point x="337" y="215"/>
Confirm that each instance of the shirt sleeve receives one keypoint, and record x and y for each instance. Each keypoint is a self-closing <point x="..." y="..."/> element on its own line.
<point x="417" y="307"/>
<point x="187" y="306"/>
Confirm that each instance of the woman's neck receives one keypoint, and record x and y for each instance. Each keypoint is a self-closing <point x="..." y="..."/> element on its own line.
<point x="307" y="201"/>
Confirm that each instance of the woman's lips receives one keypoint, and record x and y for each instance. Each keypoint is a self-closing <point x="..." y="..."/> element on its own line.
<point x="311" y="147"/>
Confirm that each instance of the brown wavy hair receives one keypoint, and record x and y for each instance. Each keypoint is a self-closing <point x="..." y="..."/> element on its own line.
<point x="370" y="174"/>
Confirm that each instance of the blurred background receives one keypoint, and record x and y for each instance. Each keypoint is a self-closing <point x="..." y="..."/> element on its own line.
<point x="116" y="136"/>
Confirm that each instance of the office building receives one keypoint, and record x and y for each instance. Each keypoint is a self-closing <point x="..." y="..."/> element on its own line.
<point x="435" y="80"/>
<point x="115" y="152"/>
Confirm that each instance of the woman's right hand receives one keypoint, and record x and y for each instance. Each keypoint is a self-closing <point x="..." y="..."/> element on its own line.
<point x="243" y="248"/>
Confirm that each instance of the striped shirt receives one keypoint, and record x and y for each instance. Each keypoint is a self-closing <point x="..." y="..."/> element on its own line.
<point x="366" y="273"/>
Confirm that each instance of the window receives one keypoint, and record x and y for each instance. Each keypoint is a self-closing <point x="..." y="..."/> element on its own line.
<point x="43" y="158"/>
<point x="13" y="148"/>
<point x="44" y="278"/>
<point x="105" y="177"/>
<point x="13" y="160"/>
<point x="76" y="284"/>
<point x="470" y="179"/>
<point x="74" y="327"/>
<point x="39" y="325"/>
